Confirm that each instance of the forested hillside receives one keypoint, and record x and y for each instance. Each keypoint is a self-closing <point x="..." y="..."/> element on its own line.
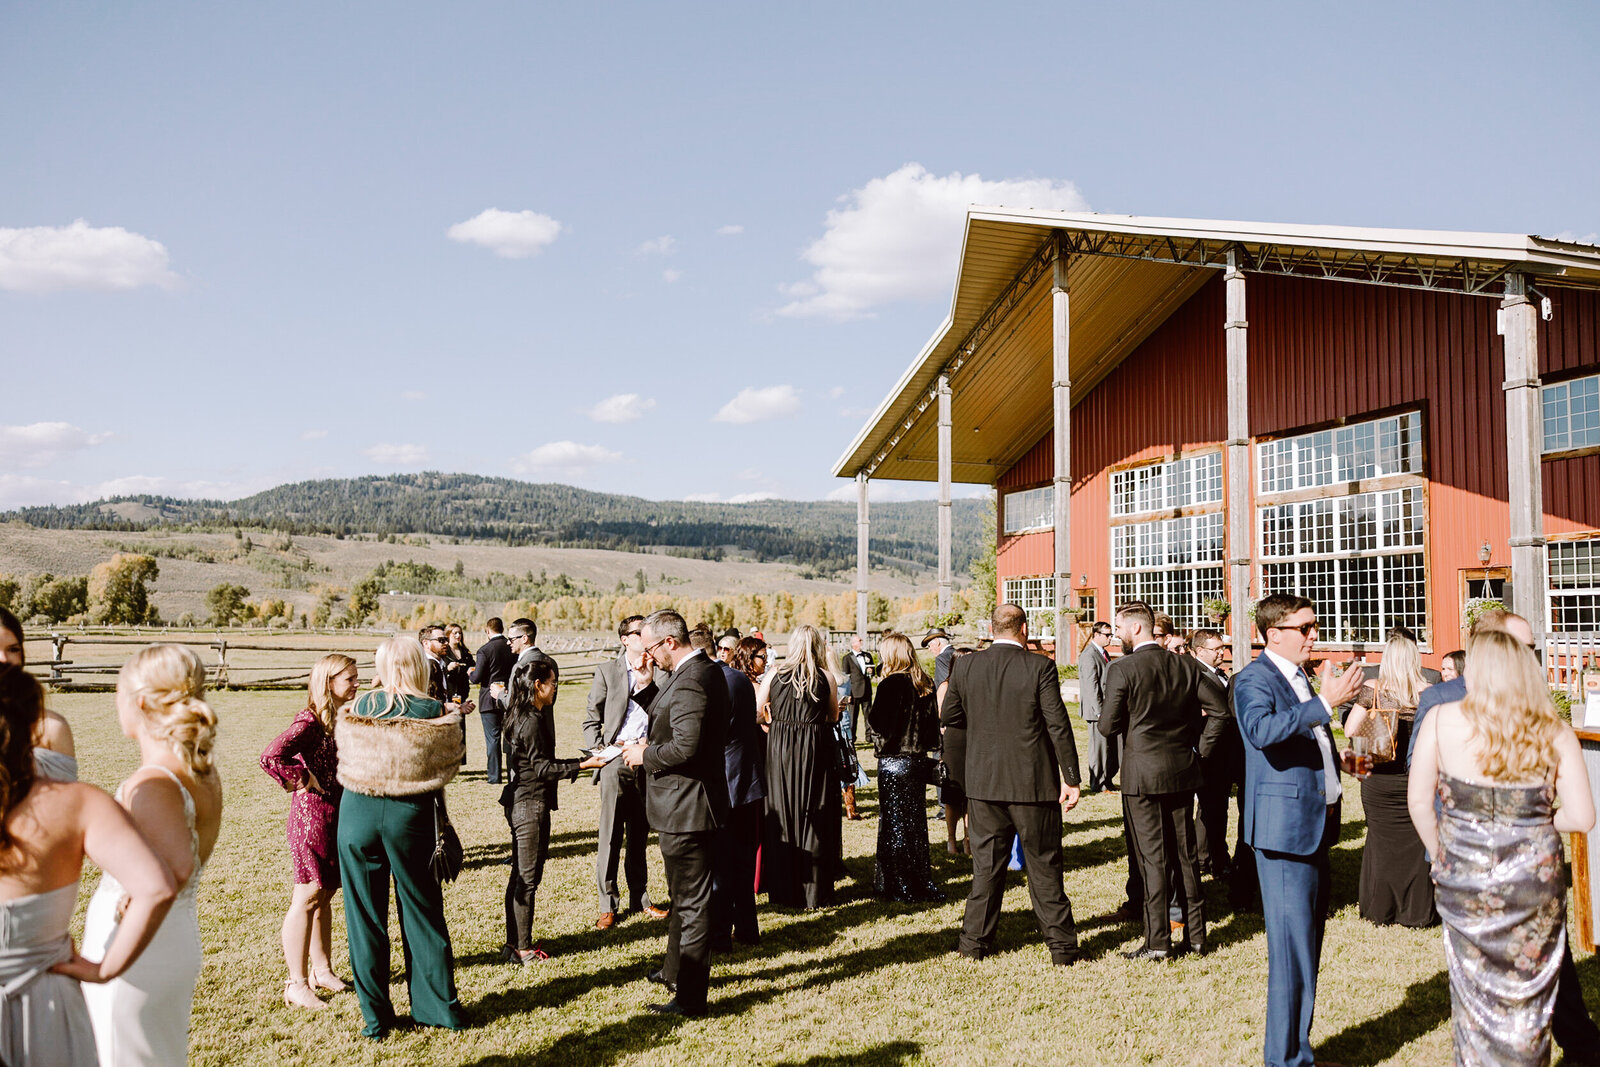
<point x="820" y="535"/>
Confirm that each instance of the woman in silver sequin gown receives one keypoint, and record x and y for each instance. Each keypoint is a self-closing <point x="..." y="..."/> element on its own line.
<point x="1495" y="763"/>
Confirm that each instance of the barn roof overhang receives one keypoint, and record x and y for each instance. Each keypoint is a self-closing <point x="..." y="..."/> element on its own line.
<point x="1127" y="274"/>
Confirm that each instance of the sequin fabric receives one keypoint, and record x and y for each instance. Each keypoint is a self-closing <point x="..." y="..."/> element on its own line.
<point x="903" y="872"/>
<point x="1501" y="892"/>
<point x="313" y="817"/>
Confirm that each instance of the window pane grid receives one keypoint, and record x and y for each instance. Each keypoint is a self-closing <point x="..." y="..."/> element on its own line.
<point x="1373" y="449"/>
<point x="1035" y="595"/>
<point x="1179" y="483"/>
<point x="1030" y="509"/>
<point x="1572" y="414"/>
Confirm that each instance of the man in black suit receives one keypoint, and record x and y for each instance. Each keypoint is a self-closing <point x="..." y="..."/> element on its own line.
<point x="1152" y="701"/>
<point x="491" y="673"/>
<point x="733" y="879"/>
<point x="686" y="799"/>
<point x="858" y="665"/>
<point x="1021" y="772"/>
<point x="618" y="714"/>
<point x="434" y="647"/>
<point x="1221" y="757"/>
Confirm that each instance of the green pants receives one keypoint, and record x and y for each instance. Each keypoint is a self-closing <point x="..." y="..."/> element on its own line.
<point x="380" y="836"/>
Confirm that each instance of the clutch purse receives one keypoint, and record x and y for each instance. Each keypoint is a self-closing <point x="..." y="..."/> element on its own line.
<point x="448" y="855"/>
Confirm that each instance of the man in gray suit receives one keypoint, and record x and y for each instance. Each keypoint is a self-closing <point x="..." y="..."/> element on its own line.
<point x="1092" y="664"/>
<point x="617" y="714"/>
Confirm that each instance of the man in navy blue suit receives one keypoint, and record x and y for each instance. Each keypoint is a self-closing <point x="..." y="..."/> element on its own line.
<point x="1291" y="810"/>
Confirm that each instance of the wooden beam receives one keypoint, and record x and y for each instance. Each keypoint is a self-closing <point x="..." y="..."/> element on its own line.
<point x="1236" y="331"/>
<point x="1519" y="329"/>
<point x="1061" y="390"/>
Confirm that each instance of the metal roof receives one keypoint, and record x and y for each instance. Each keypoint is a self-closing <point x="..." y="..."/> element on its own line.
<point x="1126" y="275"/>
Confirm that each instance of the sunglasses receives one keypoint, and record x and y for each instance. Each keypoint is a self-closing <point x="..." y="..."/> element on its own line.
<point x="632" y="633"/>
<point x="1306" y="628"/>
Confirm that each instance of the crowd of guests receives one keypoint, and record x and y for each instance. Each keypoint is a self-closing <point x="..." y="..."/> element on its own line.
<point x="1467" y="777"/>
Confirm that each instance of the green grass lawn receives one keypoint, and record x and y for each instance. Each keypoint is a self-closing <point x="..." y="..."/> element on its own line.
<point x="860" y="983"/>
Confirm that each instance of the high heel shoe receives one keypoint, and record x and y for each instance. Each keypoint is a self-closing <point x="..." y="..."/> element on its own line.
<point x="327" y="980"/>
<point x="297" y="994"/>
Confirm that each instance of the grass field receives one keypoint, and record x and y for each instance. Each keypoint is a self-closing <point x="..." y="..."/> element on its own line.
<point x="860" y="983"/>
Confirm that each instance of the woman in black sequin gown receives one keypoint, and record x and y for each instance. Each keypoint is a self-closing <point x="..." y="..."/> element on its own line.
<point x="905" y="728"/>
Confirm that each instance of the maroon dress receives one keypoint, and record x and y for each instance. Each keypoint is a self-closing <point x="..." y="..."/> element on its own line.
<point x="313" y="817"/>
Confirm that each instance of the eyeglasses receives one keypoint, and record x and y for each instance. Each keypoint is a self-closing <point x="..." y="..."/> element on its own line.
<point x="1306" y="628"/>
<point x="651" y="648"/>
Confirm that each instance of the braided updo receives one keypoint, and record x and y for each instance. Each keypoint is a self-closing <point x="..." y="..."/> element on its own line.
<point x="170" y="684"/>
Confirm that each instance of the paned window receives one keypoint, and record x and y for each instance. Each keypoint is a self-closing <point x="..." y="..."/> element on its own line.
<point x="1030" y="509"/>
<point x="1361" y="557"/>
<point x="1574" y="568"/>
<point x="1572" y="414"/>
<point x="1035" y="595"/>
<point x="1175" y="565"/>
<point x="1180" y="483"/>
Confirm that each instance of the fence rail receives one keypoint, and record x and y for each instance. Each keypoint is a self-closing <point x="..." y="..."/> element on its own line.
<point x="1568" y="657"/>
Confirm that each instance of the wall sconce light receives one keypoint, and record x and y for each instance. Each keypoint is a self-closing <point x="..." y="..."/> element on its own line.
<point x="1083" y="579"/>
<point x="1485" y="553"/>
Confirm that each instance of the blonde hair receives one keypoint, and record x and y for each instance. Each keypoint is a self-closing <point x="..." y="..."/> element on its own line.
<point x="807" y="659"/>
<point x="403" y="669"/>
<point x="170" y="684"/>
<point x="319" y="692"/>
<point x="899" y="658"/>
<point x="1400" y="674"/>
<point x="1509" y="709"/>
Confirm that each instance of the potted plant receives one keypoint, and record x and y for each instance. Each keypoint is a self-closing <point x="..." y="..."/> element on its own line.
<point x="1216" y="610"/>
<point x="1475" y="609"/>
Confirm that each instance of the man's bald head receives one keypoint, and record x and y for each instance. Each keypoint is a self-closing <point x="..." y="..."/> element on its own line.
<point x="1008" y="620"/>
<point x="1506" y="622"/>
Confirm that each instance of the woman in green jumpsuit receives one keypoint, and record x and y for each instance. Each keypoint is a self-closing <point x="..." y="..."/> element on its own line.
<point x="392" y="778"/>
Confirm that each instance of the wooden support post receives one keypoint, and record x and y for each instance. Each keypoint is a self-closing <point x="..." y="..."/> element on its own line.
<point x="946" y="581"/>
<point x="1061" y="388"/>
<point x="1236" y="332"/>
<point x="861" y="554"/>
<point x="1519" y="328"/>
<point x="221" y="645"/>
<point x="58" y="644"/>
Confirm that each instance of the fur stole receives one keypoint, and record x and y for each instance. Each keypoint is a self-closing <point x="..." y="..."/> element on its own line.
<point x="397" y="757"/>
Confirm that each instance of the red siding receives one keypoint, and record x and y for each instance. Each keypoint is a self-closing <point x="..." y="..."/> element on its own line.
<point x="1320" y="352"/>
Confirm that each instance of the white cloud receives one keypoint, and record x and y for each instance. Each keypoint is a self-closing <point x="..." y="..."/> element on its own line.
<point x="670" y="276"/>
<point x="657" y="246"/>
<point x="567" y="459"/>
<point x="836" y="392"/>
<point x="702" y="498"/>
<point x="759" y="405"/>
<point x="389" y="455"/>
<point x="511" y="234"/>
<point x="21" y="490"/>
<point x="896" y="238"/>
<point x="729" y="230"/>
<point x="44" y="259"/>
<point x="895" y="492"/>
<point x="313" y="435"/>
<point x="413" y="394"/>
<point x="624" y="407"/>
<point x="40" y="444"/>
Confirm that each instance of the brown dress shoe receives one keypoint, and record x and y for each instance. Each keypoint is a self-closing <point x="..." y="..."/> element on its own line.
<point x="655" y="912"/>
<point x="607" y="920"/>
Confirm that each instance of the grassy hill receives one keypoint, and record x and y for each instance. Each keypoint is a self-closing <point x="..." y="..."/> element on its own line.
<point x="818" y="536"/>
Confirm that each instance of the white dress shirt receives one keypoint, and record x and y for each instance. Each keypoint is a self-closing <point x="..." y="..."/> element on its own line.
<point x="1333" y="788"/>
<point x="636" y="724"/>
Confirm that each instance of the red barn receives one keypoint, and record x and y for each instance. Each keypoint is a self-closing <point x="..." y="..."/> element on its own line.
<point x="1196" y="413"/>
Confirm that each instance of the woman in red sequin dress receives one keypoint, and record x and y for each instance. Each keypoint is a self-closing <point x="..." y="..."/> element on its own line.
<point x="304" y="760"/>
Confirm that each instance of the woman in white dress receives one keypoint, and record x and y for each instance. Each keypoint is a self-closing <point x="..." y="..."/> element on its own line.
<point x="46" y="829"/>
<point x="175" y="797"/>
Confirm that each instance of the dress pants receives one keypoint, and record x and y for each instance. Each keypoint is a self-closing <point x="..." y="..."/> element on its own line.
<point x="1294" y="903"/>
<point x="1211" y="824"/>
<point x="1162" y="826"/>
<point x="622" y="822"/>
<point x="1038" y="826"/>
<point x="490" y="717"/>
<point x="530" y="843"/>
<point x="733" y="878"/>
<point x="380" y="836"/>
<point x="1103" y="752"/>
<point x="687" y="858"/>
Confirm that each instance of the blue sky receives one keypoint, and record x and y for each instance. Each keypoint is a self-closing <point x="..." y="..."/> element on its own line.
<point x="672" y="250"/>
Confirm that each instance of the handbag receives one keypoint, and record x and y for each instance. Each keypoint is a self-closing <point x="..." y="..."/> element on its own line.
<point x="1379" y="729"/>
<point x="937" y="771"/>
<point x="448" y="855"/>
<point x="846" y="765"/>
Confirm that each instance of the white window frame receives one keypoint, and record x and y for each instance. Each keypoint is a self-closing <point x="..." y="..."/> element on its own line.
<point x="1036" y="595"/>
<point x="1342" y="518"/>
<point x="1043" y="512"/>
<point x="1189" y="481"/>
<point x="1570" y="415"/>
<point x="1175" y="559"/>
<point x="1578" y="588"/>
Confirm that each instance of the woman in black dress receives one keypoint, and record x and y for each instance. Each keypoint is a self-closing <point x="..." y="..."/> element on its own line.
<point x="801" y="850"/>
<point x="905" y="728"/>
<point x="1396" y="886"/>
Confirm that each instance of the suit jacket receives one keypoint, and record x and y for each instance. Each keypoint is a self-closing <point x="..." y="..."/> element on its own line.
<point x="492" y="664"/>
<point x="1442" y="693"/>
<point x="530" y="747"/>
<point x="860" y="680"/>
<point x="1285" y="793"/>
<point x="1153" y="700"/>
<point x="1219" y="735"/>
<point x="686" y="785"/>
<point x="1019" y="741"/>
<point x="743" y="748"/>
<point x="608" y="702"/>
<point x="436" y="684"/>
<point x="1092" y="666"/>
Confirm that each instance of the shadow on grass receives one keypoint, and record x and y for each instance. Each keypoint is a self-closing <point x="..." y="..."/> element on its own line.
<point x="1425" y="1006"/>
<point x="887" y="1054"/>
